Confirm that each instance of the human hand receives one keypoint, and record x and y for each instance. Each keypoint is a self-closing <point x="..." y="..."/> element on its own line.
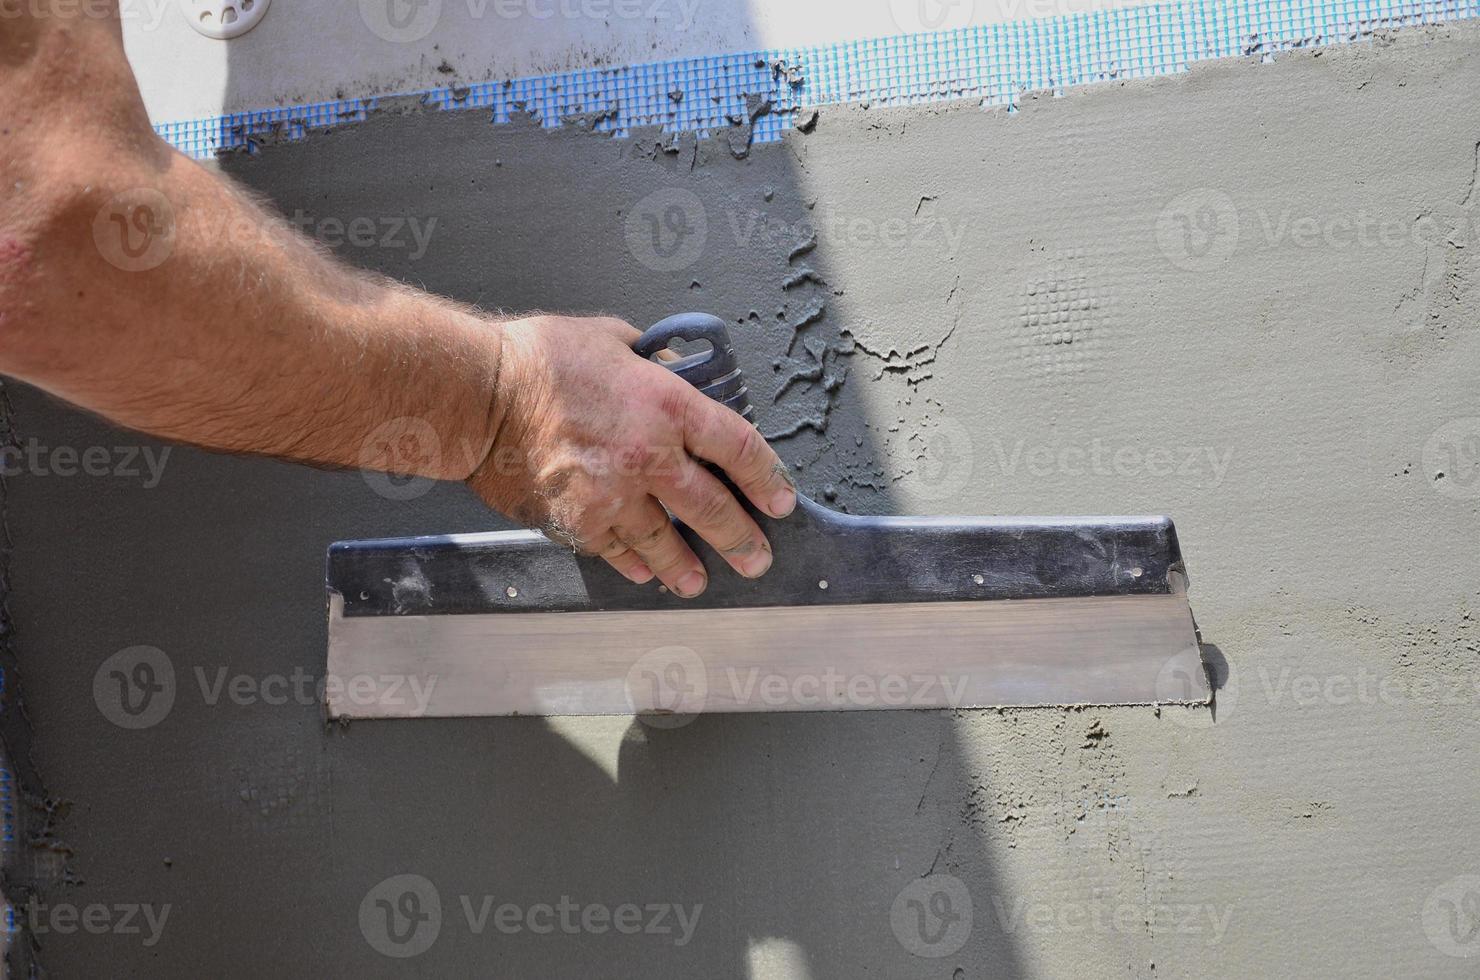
<point x="593" y="441"/>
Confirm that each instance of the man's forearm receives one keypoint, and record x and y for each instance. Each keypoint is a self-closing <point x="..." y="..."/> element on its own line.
<point x="150" y="290"/>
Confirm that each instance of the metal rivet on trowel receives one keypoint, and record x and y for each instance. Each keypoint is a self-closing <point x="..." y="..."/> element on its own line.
<point x="511" y="592"/>
<point x="979" y="578"/>
<point x="1136" y="572"/>
<point x="822" y="584"/>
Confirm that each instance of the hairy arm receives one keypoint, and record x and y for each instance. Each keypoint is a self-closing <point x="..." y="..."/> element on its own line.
<point x="140" y="285"/>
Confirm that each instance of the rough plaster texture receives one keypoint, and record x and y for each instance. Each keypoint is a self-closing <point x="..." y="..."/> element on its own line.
<point x="185" y="75"/>
<point x="1154" y="296"/>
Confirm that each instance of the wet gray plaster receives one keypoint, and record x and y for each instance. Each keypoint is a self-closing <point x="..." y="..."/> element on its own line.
<point x="1142" y="297"/>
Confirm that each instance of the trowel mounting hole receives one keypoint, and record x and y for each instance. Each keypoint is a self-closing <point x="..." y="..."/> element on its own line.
<point x="224" y="19"/>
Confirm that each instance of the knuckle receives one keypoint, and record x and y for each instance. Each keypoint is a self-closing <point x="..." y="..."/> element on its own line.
<point x="590" y="522"/>
<point x="676" y="402"/>
<point x="715" y="508"/>
<point x="754" y="451"/>
<point x="742" y="545"/>
<point x="581" y="509"/>
<point x="632" y="457"/>
<point x="662" y="562"/>
<point x="649" y="539"/>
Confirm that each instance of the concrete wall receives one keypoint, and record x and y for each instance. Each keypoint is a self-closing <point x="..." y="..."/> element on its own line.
<point x="1246" y="296"/>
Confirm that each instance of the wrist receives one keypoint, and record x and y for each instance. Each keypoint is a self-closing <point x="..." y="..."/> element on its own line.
<point x="435" y="368"/>
<point x="479" y="407"/>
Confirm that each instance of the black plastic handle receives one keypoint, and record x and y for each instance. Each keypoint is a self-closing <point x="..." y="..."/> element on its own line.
<point x="715" y="372"/>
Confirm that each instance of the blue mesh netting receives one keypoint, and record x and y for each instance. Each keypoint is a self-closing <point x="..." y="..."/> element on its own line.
<point x="994" y="64"/>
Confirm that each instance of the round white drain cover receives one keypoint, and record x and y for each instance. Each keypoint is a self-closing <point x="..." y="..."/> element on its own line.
<point x="224" y="18"/>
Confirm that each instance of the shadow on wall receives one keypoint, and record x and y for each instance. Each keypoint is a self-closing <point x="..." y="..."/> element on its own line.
<point x="804" y="845"/>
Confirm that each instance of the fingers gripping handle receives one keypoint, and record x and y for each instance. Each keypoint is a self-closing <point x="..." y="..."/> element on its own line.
<point x="715" y="372"/>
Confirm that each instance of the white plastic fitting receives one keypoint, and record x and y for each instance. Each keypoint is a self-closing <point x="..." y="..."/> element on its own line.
<point x="224" y="19"/>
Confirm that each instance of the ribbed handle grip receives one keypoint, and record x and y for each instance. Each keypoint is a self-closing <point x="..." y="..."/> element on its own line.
<point x="715" y="372"/>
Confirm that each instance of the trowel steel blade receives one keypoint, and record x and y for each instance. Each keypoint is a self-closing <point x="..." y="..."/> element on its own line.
<point x="856" y="613"/>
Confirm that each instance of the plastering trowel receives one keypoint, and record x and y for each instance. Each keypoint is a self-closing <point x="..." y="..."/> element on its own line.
<point x="856" y="612"/>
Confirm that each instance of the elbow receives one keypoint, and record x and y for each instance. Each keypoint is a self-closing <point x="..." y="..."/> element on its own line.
<point x="71" y="241"/>
<point x="46" y="276"/>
